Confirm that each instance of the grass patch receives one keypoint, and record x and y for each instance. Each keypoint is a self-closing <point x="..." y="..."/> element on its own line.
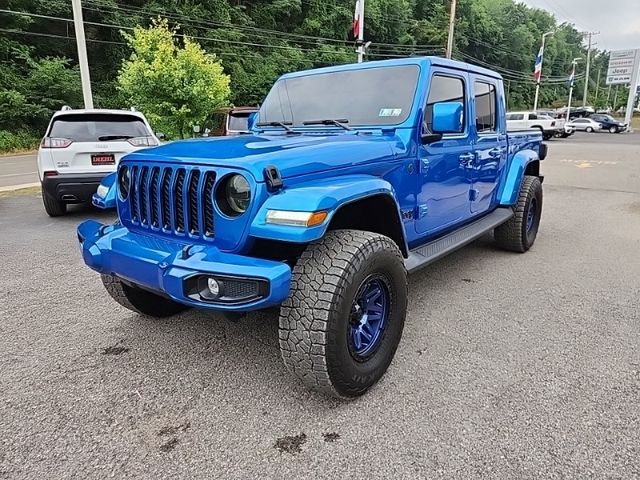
<point x="21" y="192"/>
<point x="16" y="142"/>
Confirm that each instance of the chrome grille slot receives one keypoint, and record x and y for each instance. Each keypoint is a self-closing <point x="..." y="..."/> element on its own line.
<point x="207" y="201"/>
<point x="154" y="188"/>
<point x="165" y="199"/>
<point x="133" y="194"/>
<point x="144" y="195"/>
<point x="194" y="179"/>
<point x="179" y="202"/>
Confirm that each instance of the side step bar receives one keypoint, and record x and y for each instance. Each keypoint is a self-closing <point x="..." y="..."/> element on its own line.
<point x="436" y="249"/>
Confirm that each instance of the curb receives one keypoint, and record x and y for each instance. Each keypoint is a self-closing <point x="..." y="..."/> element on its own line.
<point x="11" y="188"/>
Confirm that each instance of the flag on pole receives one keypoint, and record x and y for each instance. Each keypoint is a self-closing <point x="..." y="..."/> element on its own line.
<point x="356" y="20"/>
<point x="537" y="69"/>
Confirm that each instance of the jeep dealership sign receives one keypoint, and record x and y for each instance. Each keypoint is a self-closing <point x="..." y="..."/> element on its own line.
<point x="621" y="66"/>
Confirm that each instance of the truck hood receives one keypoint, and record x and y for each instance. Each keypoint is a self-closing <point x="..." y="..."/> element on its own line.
<point x="293" y="155"/>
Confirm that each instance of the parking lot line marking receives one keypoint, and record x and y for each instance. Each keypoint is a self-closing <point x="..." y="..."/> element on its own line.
<point x="17" y="174"/>
<point x="584" y="165"/>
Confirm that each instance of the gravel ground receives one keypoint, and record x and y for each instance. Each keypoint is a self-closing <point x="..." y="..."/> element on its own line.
<point x="511" y="366"/>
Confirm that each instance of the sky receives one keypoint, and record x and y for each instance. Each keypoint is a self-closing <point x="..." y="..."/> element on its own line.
<point x="618" y="21"/>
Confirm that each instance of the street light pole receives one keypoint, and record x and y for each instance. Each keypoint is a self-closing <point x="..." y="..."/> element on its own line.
<point x="452" y="22"/>
<point x="535" y="99"/>
<point x="82" y="54"/>
<point x="573" y="75"/>
<point x="360" y="25"/>
<point x="586" y="76"/>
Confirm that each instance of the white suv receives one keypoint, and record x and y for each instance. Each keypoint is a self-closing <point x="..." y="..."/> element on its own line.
<point x="80" y="147"/>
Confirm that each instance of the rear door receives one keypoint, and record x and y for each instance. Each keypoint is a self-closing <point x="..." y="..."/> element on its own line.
<point x="443" y="180"/>
<point x="490" y="142"/>
<point x="97" y="140"/>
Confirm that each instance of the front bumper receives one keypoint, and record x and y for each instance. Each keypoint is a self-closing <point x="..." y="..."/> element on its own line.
<point x="169" y="268"/>
<point x="75" y="188"/>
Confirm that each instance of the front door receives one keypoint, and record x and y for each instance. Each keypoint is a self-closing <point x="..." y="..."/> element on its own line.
<point x="490" y="143"/>
<point x="444" y="166"/>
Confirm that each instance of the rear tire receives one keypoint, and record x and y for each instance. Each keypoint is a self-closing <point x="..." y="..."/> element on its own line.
<point x="53" y="207"/>
<point x="139" y="300"/>
<point x="341" y="325"/>
<point x="519" y="233"/>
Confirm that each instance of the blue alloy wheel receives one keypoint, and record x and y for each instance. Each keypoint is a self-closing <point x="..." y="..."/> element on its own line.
<point x="531" y="214"/>
<point x="369" y="317"/>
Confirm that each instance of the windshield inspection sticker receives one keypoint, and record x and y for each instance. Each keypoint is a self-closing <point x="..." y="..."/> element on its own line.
<point x="390" y="112"/>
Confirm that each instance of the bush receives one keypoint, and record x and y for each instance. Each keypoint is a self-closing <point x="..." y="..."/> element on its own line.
<point x="14" y="141"/>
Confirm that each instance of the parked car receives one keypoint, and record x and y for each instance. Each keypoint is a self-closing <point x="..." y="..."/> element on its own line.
<point x="80" y="147"/>
<point x="608" y="123"/>
<point x="364" y="173"/>
<point x="517" y="121"/>
<point x="585" y="125"/>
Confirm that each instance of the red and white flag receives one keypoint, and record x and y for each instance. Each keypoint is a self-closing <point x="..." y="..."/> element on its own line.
<point x="537" y="69"/>
<point x="356" y="20"/>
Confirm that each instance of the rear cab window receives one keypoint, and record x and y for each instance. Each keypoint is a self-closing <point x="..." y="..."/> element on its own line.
<point x="98" y="127"/>
<point x="486" y="107"/>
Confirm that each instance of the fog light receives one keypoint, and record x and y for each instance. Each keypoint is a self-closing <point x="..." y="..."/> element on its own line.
<point x="213" y="286"/>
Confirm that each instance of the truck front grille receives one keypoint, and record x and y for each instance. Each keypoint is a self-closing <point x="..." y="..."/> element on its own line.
<point x="176" y="200"/>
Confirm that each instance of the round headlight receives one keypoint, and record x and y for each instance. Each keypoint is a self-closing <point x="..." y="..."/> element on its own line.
<point x="124" y="181"/>
<point x="233" y="195"/>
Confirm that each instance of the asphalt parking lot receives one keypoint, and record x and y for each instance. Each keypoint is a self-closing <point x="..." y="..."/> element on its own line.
<point x="511" y="366"/>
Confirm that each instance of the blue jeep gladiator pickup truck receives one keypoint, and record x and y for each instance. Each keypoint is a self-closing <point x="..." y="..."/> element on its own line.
<point x="353" y="176"/>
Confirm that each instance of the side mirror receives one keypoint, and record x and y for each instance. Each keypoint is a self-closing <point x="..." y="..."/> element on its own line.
<point x="160" y="135"/>
<point x="253" y="116"/>
<point x="448" y="117"/>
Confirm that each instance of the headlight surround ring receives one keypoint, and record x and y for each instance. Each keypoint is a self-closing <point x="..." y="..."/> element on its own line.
<point x="233" y="195"/>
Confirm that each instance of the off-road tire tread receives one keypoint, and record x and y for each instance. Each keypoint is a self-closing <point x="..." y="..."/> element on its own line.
<point x="53" y="207"/>
<point x="509" y="235"/>
<point x="318" y="285"/>
<point x="140" y="301"/>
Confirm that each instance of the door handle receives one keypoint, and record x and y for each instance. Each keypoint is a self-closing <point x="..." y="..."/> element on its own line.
<point x="466" y="160"/>
<point x="495" y="152"/>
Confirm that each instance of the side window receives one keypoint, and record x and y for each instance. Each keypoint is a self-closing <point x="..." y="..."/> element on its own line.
<point x="533" y="116"/>
<point x="486" y="114"/>
<point x="444" y="89"/>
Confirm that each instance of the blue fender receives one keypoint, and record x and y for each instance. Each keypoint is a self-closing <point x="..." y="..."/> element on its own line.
<point x="328" y="194"/>
<point x="105" y="197"/>
<point x="508" y="193"/>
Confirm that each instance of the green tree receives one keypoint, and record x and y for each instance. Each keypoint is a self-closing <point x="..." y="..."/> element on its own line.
<point x="171" y="78"/>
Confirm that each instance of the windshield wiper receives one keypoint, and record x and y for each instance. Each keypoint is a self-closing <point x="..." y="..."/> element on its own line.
<point x="106" y="138"/>
<point x="340" y="122"/>
<point x="284" y="125"/>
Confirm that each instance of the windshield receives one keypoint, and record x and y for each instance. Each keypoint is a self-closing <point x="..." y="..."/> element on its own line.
<point x="94" y="127"/>
<point x="366" y="97"/>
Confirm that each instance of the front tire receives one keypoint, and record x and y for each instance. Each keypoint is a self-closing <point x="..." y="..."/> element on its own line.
<point x="53" y="207"/>
<point x="613" y="129"/>
<point x="519" y="233"/>
<point x="589" y="130"/>
<point x="341" y="325"/>
<point x="139" y="300"/>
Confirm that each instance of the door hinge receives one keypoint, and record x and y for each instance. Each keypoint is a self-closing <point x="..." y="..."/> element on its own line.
<point x="424" y="166"/>
<point x="473" y="194"/>
<point x="422" y="210"/>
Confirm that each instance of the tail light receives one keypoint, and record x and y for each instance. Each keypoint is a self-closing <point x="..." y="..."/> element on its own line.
<point x="49" y="142"/>
<point x="143" y="141"/>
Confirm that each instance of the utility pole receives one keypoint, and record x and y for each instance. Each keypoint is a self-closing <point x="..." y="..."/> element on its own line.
<point x="586" y="76"/>
<point x="452" y="22"/>
<point x="82" y="54"/>
<point x="598" y="83"/>
<point x="571" y="80"/>
<point x="358" y="27"/>
<point x="538" y="71"/>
